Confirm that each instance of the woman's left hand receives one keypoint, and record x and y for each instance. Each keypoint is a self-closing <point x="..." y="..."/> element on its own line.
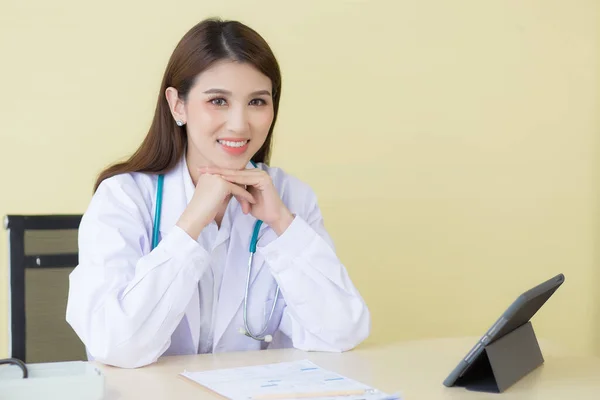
<point x="269" y="208"/>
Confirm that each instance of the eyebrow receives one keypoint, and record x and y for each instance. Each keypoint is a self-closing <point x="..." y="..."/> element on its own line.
<point x="227" y="92"/>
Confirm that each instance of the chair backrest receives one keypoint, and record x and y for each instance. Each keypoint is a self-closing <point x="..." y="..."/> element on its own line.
<point x="43" y="250"/>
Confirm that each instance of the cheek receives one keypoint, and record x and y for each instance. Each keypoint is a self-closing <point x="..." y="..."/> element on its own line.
<point x="205" y="118"/>
<point x="262" y="121"/>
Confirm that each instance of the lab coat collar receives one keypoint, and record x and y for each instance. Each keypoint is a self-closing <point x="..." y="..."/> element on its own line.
<point x="174" y="199"/>
<point x="188" y="184"/>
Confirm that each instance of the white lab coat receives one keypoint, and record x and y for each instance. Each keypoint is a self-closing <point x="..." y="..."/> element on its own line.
<point x="130" y="305"/>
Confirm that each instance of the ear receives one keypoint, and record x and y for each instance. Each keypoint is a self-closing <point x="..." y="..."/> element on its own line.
<point x="176" y="105"/>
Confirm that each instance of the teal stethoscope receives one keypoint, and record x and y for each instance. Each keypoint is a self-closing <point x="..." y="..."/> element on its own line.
<point x="253" y="242"/>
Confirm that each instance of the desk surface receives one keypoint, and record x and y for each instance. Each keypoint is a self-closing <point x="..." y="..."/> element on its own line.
<point x="415" y="369"/>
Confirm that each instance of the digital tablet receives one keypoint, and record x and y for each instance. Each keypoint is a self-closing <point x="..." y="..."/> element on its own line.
<point x="519" y="313"/>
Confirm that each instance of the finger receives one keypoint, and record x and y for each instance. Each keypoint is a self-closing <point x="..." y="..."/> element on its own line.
<point x="204" y="171"/>
<point x="254" y="191"/>
<point x="244" y="203"/>
<point x="239" y="184"/>
<point x="239" y="192"/>
<point x="236" y="172"/>
<point x="243" y="179"/>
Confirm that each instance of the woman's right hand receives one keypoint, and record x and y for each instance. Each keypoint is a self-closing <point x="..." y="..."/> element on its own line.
<point x="209" y="196"/>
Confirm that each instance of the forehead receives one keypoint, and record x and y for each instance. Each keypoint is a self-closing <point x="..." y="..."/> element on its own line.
<point x="233" y="76"/>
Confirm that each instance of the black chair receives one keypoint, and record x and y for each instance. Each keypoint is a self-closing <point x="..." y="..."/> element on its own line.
<point x="43" y="251"/>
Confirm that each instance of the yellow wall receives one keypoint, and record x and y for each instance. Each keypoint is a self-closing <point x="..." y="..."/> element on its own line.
<point x="453" y="144"/>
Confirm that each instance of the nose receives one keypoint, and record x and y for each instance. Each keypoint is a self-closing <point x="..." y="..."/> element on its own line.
<point x="237" y="120"/>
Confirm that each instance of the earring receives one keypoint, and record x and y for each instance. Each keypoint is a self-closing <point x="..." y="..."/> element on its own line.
<point x="179" y="122"/>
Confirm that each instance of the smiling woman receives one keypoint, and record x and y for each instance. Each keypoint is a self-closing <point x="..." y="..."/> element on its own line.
<point x="219" y="72"/>
<point x="164" y="267"/>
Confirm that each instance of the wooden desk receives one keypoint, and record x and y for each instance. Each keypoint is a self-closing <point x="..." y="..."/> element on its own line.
<point x="415" y="369"/>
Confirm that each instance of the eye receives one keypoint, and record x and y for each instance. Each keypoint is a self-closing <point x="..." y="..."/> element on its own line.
<point x="257" y="102"/>
<point x="218" y="101"/>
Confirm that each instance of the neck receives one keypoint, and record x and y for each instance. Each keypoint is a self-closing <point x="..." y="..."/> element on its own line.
<point x="193" y="164"/>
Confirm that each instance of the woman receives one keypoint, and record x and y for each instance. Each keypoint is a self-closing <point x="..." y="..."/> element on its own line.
<point x="164" y="244"/>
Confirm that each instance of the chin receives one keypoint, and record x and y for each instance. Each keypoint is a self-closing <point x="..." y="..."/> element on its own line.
<point x="233" y="164"/>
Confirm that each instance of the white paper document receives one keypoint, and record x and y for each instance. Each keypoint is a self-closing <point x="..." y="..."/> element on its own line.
<point x="287" y="380"/>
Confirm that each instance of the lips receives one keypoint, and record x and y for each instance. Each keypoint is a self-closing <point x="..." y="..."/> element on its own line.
<point x="233" y="143"/>
<point x="234" y="146"/>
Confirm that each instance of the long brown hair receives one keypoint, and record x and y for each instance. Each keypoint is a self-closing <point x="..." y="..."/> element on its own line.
<point x="207" y="42"/>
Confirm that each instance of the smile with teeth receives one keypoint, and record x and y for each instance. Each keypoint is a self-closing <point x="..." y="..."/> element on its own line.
<point x="228" y="143"/>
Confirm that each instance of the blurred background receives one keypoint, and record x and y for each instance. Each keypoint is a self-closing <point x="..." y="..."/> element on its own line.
<point x="454" y="146"/>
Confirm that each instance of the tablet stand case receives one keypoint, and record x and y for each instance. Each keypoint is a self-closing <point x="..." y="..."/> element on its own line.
<point x="504" y="361"/>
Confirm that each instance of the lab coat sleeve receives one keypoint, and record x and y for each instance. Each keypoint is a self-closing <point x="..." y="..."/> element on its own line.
<point x="324" y="311"/>
<point x="124" y="300"/>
